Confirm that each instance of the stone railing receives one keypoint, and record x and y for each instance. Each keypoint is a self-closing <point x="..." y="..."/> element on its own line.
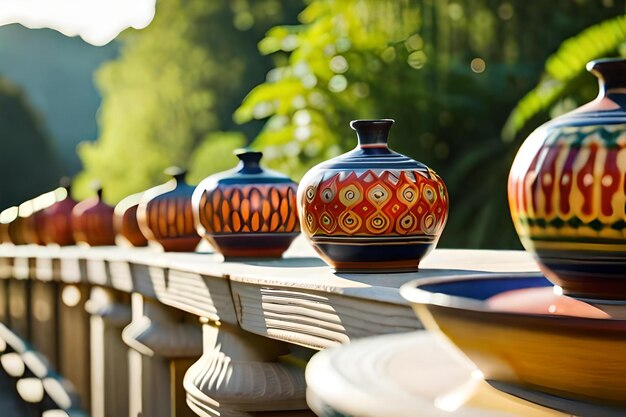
<point x="143" y="333"/>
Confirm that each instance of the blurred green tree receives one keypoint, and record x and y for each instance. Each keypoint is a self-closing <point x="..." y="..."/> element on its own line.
<point x="28" y="164"/>
<point x="176" y="82"/>
<point x="448" y="72"/>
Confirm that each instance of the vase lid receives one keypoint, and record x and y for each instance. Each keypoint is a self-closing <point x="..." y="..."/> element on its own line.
<point x="249" y="171"/>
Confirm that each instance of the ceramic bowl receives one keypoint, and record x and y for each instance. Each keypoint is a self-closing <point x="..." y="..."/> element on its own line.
<point x="521" y="333"/>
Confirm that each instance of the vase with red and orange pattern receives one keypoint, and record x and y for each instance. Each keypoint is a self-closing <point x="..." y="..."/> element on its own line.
<point x="248" y="211"/>
<point x="372" y="209"/>
<point x="567" y="192"/>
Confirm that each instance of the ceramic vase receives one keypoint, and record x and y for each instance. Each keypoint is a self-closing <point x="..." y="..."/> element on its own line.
<point x="247" y="211"/>
<point x="372" y="209"/>
<point x="165" y="216"/>
<point x="10" y="226"/>
<point x="125" y="221"/>
<point x="57" y="225"/>
<point x="92" y="221"/>
<point x="567" y="192"/>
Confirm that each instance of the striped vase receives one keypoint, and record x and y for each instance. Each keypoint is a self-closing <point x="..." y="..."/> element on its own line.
<point x="567" y="192"/>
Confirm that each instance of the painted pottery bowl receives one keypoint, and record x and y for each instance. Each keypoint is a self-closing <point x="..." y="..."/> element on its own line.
<point x="57" y="226"/>
<point x="523" y="335"/>
<point x="372" y="209"/>
<point x="165" y="217"/>
<point x="125" y="221"/>
<point x="92" y="222"/>
<point x="567" y="195"/>
<point x="247" y="211"/>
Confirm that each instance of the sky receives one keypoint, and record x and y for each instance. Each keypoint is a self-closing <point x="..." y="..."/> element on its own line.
<point x="95" y="21"/>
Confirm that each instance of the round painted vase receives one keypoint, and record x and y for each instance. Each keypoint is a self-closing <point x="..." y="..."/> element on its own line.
<point x="247" y="211"/>
<point x="125" y="221"/>
<point x="57" y="226"/>
<point x="165" y="216"/>
<point x="92" y="221"/>
<point x="567" y="192"/>
<point x="372" y="209"/>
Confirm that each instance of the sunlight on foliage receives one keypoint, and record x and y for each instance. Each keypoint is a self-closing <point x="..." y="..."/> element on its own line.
<point x="563" y="68"/>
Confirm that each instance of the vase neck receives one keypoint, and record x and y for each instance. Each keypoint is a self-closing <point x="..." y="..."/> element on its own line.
<point x="250" y="162"/>
<point x="178" y="174"/>
<point x="372" y="133"/>
<point x="611" y="74"/>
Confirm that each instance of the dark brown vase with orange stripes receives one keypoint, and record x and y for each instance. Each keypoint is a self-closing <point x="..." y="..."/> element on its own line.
<point x="247" y="212"/>
<point x="92" y="221"/>
<point x="165" y="217"/>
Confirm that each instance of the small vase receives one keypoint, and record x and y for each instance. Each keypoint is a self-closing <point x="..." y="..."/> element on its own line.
<point x="92" y="221"/>
<point x="9" y="229"/>
<point x="567" y="192"/>
<point x="57" y="225"/>
<point x="165" y="217"/>
<point x="372" y="209"/>
<point x="125" y="221"/>
<point x="247" y="211"/>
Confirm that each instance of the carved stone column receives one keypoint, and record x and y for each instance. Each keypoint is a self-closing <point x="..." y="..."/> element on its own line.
<point x="19" y="307"/>
<point x="110" y="313"/>
<point x="164" y="342"/>
<point x="241" y="374"/>
<point x="45" y="319"/>
<point x="74" y="350"/>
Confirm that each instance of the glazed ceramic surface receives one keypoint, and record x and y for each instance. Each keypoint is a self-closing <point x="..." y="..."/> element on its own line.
<point x="92" y="222"/>
<point x="248" y="211"/>
<point x="165" y="215"/>
<point x="520" y="335"/>
<point x="567" y="192"/>
<point x="372" y="209"/>
<point x="125" y="221"/>
<point x="57" y="226"/>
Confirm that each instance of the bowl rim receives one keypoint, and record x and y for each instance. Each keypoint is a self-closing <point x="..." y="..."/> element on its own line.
<point x="412" y="292"/>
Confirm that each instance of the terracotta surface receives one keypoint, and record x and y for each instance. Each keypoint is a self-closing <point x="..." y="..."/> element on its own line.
<point x="165" y="216"/>
<point x="92" y="222"/>
<point x="125" y="221"/>
<point x="57" y="227"/>
<point x="247" y="211"/>
<point x="567" y="192"/>
<point x="372" y="209"/>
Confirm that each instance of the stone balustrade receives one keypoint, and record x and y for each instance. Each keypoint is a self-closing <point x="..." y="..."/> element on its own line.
<point x="143" y="333"/>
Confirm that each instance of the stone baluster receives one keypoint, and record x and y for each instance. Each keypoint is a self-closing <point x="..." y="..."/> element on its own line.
<point x="241" y="375"/>
<point x="74" y="337"/>
<point x="164" y="342"/>
<point x="45" y="319"/>
<point x="110" y="312"/>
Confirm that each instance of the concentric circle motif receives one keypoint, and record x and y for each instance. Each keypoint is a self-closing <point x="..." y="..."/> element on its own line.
<point x="371" y="203"/>
<point x="350" y="222"/>
<point x="406" y="223"/>
<point x="429" y="194"/>
<point x="310" y="193"/>
<point x="350" y="195"/>
<point x="378" y="223"/>
<point x="378" y="195"/>
<point x="327" y="223"/>
<point x="429" y="224"/>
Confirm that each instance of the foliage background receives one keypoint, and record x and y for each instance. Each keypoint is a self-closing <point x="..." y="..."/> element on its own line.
<point x="465" y="80"/>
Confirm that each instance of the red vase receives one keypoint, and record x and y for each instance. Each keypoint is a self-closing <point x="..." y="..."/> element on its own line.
<point x="57" y="224"/>
<point x="247" y="211"/>
<point x="372" y="209"/>
<point x="125" y="221"/>
<point x="165" y="215"/>
<point x="92" y="222"/>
